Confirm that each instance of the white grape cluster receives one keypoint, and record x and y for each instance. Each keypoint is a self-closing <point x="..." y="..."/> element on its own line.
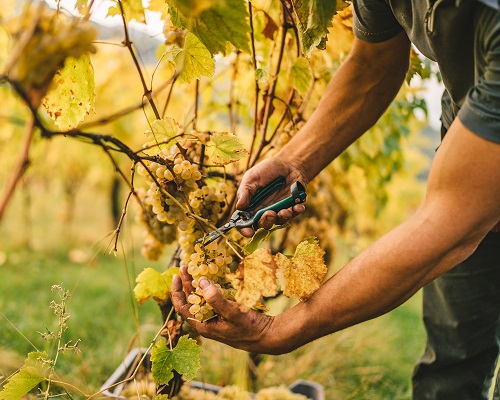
<point x="212" y="262"/>
<point x="175" y="204"/>
<point x="208" y="202"/>
<point x="233" y="392"/>
<point x="143" y="386"/>
<point x="47" y="38"/>
<point x="164" y="201"/>
<point x="157" y="233"/>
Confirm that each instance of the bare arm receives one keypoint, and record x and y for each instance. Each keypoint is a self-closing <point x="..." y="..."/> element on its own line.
<point x="357" y="96"/>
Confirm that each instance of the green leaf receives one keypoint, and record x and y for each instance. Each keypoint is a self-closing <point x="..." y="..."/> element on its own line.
<point x="314" y="18"/>
<point x="228" y="148"/>
<point x="183" y="358"/>
<point x="133" y="9"/>
<point x="150" y="283"/>
<point x="194" y="60"/>
<point x="225" y="21"/>
<point x="257" y="239"/>
<point x="72" y="94"/>
<point x="163" y="134"/>
<point x="161" y="397"/>
<point x="31" y="374"/>
<point x="301" y="76"/>
<point x="192" y="8"/>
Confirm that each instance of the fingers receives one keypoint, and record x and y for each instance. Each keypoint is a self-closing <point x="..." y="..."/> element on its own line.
<point x="181" y="285"/>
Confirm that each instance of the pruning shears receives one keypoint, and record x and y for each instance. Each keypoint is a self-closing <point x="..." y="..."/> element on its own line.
<point x="247" y="218"/>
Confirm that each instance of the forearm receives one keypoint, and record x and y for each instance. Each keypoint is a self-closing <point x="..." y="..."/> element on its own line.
<point x="381" y="278"/>
<point x="357" y="96"/>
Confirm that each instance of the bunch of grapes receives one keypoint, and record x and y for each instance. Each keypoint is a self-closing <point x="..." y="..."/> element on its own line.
<point x="164" y="201"/>
<point x="233" y="392"/>
<point x="178" y="198"/>
<point x="157" y="233"/>
<point x="143" y="387"/>
<point x="43" y="39"/>
<point x="208" y="202"/>
<point x="212" y="262"/>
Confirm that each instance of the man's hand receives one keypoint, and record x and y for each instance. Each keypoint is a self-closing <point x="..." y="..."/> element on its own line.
<point x="261" y="175"/>
<point x="248" y="331"/>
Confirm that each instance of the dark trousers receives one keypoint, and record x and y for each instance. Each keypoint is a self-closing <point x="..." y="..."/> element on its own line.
<point x="462" y="318"/>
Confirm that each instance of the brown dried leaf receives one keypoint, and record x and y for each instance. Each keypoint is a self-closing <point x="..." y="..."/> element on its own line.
<point x="302" y="275"/>
<point x="254" y="279"/>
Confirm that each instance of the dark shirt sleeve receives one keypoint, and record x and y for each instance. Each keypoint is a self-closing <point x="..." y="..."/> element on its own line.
<point x="374" y="21"/>
<point x="481" y="110"/>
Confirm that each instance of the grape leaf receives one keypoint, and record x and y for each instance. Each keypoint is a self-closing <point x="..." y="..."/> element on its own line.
<point x="192" y="8"/>
<point x="72" y="94"/>
<point x="163" y="134"/>
<point x="133" y="9"/>
<point x="228" y="148"/>
<point x="150" y="283"/>
<point x="302" y="275"/>
<point x="184" y="358"/>
<point x="161" y="397"/>
<point x="300" y="76"/>
<point x="31" y="374"/>
<point x="168" y="275"/>
<point x="254" y="279"/>
<point x="193" y="60"/>
<point x="314" y="17"/>
<point x="225" y="21"/>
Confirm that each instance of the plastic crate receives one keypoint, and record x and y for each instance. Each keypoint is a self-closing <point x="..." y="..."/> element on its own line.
<point x="312" y="390"/>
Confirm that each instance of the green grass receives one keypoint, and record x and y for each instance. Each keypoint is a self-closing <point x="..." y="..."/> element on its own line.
<point x="101" y="313"/>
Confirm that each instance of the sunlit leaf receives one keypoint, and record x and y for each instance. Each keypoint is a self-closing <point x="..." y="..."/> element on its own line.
<point x="133" y="10"/>
<point x="301" y="76"/>
<point x="254" y="279"/>
<point x="72" y="94"/>
<point x="228" y="148"/>
<point x="193" y="60"/>
<point x="150" y="283"/>
<point x="33" y="372"/>
<point x="192" y="8"/>
<point x="225" y="21"/>
<point x="302" y="275"/>
<point x="183" y="358"/>
<point x="168" y="275"/>
<point x="314" y="18"/>
<point x="162" y="134"/>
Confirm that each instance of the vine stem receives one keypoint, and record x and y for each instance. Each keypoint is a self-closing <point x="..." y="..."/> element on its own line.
<point x="128" y="43"/>
<point x="257" y="88"/>
<point x="270" y="94"/>
<point x="21" y="167"/>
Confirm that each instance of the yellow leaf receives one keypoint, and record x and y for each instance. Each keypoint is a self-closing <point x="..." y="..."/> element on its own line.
<point x="194" y="60"/>
<point x="72" y="94"/>
<point x="228" y="148"/>
<point x="254" y="279"/>
<point x="302" y="275"/>
<point x="150" y="283"/>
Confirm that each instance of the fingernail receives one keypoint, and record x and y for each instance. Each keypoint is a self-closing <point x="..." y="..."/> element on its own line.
<point x="204" y="283"/>
<point x="269" y="219"/>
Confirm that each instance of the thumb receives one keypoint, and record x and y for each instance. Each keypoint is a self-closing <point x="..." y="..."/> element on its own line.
<point x="214" y="297"/>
